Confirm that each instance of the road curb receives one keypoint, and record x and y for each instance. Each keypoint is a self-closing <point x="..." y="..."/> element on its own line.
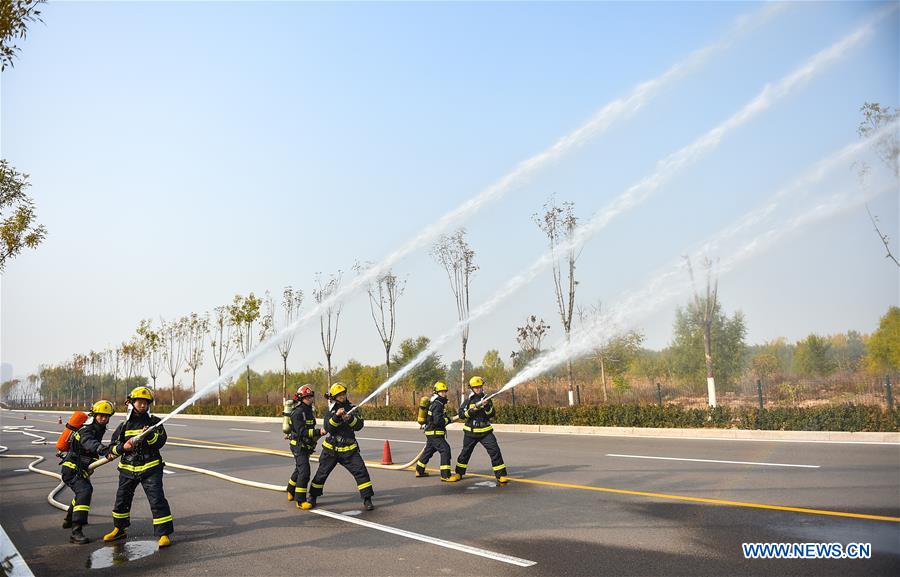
<point x="648" y="432"/>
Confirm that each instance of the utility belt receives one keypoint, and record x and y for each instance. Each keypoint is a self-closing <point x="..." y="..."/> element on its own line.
<point x="478" y="427"/>
<point x="435" y="432"/>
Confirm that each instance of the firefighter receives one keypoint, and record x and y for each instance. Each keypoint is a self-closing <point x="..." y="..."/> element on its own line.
<point x="141" y="464"/>
<point x="436" y="422"/>
<point x="86" y="445"/>
<point x="340" y="447"/>
<point x="304" y="435"/>
<point x="477" y="429"/>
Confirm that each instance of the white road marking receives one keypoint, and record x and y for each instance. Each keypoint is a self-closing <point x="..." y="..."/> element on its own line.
<point x="391" y="440"/>
<point x="431" y="540"/>
<point x="713" y="461"/>
<point x="13" y="561"/>
<point x="168" y="472"/>
<point x="20" y="470"/>
<point x="174" y="425"/>
<point x="250" y="430"/>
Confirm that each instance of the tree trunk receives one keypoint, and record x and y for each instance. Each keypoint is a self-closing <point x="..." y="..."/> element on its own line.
<point x="248" y="385"/>
<point x="571" y="382"/>
<point x="387" y="370"/>
<point x="193" y="382"/>
<point x="173" y="390"/>
<point x="328" y="363"/>
<point x="603" y="378"/>
<point x="284" y="380"/>
<point x="462" y="370"/>
<point x="710" y="378"/>
<point x="219" y="389"/>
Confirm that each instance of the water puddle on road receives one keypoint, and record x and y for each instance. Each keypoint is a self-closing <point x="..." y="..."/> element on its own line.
<point x="121" y="553"/>
<point x="351" y="513"/>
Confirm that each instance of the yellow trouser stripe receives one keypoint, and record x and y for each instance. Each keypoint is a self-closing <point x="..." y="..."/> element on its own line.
<point x="140" y="468"/>
<point x="300" y="490"/>
<point x="481" y="430"/>
<point x="462" y="465"/>
<point x="82" y="508"/>
<point x="435" y="432"/>
<point x="498" y="467"/>
<point x="447" y="467"/>
<point x="291" y="483"/>
<point x="162" y="520"/>
<point x="317" y="486"/>
<point x="364" y="485"/>
<point x="121" y="515"/>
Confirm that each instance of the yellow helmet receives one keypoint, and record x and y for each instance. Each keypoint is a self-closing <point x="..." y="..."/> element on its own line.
<point x="476" y="382"/>
<point x="141" y="393"/>
<point x="336" y="389"/>
<point x="440" y="386"/>
<point x="102" y="408"/>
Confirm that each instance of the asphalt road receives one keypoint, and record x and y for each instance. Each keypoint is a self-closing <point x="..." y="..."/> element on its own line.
<point x="571" y="509"/>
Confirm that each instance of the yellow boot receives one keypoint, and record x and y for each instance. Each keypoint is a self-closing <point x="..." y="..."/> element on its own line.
<point x="451" y="479"/>
<point x="114" y="535"/>
<point x="305" y="505"/>
<point x="290" y="496"/>
<point x="164" y="541"/>
<point x="503" y="480"/>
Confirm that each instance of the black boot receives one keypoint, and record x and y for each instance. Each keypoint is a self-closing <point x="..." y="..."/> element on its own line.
<point x="67" y="523"/>
<point x="78" y="537"/>
<point x="367" y="503"/>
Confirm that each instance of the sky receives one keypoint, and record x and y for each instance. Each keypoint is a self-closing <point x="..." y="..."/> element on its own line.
<point x="182" y="153"/>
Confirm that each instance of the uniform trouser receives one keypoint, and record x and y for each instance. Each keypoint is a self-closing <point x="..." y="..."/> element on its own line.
<point x="435" y="444"/>
<point x="300" y="477"/>
<point x="159" y="506"/>
<point x="80" y="484"/>
<point x="352" y="461"/>
<point x="489" y="441"/>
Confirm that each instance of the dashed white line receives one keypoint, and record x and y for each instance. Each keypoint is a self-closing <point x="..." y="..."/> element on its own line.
<point x="250" y="430"/>
<point x="713" y="461"/>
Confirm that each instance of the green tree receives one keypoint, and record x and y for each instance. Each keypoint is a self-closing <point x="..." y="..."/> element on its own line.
<point x="427" y="372"/>
<point x="244" y="312"/>
<point x="615" y="358"/>
<point x="847" y="350"/>
<point x="15" y="15"/>
<point x="18" y="226"/>
<point x="726" y="344"/>
<point x="493" y="368"/>
<point x="884" y="345"/>
<point x="813" y="357"/>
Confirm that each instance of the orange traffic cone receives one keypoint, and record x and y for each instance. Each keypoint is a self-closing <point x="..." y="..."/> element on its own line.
<point x="386" y="458"/>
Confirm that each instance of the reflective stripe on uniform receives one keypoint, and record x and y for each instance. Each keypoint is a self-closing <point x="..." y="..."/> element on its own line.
<point x="364" y="485"/>
<point x="140" y="468"/>
<point x="291" y="482"/>
<point x="439" y="433"/>
<point x="317" y="486"/>
<point x="478" y="431"/>
<point x="328" y="445"/>
<point x="162" y="520"/>
<point x="154" y="438"/>
<point x="498" y="467"/>
<point x="70" y="465"/>
<point x="293" y="441"/>
<point x="301" y="490"/>
<point x="121" y="515"/>
<point x="421" y="464"/>
<point x="462" y="465"/>
<point x="82" y="508"/>
<point x="333" y="423"/>
<point x="445" y="467"/>
<point x="133" y="432"/>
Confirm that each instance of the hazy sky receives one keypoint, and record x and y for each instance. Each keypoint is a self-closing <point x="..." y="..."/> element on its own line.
<point x="180" y="153"/>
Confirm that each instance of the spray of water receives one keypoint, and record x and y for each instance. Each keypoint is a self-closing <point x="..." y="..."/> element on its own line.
<point x="640" y="191"/>
<point x="614" y="111"/>
<point x="672" y="283"/>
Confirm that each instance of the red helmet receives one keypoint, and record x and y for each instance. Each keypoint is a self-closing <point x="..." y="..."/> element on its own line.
<point x="305" y="391"/>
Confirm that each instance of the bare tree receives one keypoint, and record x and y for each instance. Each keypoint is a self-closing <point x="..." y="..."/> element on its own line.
<point x="114" y="362"/>
<point x="132" y="352"/>
<point x="458" y="259"/>
<point x="173" y="334"/>
<point x="529" y="337"/>
<point x="291" y="301"/>
<point x="196" y="327"/>
<point x="885" y="239"/>
<point x="244" y="312"/>
<point x="558" y="223"/>
<point x="384" y="292"/>
<point x="704" y="310"/>
<point x="151" y="348"/>
<point x="328" y="321"/>
<point x="221" y="337"/>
